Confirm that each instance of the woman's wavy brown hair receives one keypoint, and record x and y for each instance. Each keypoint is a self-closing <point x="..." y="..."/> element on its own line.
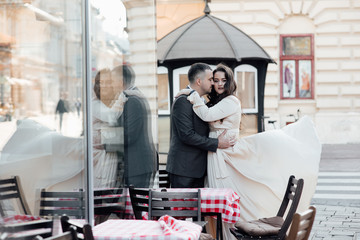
<point x="230" y="85"/>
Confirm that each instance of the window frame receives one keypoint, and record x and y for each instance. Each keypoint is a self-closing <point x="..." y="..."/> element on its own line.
<point x="296" y="58"/>
<point x="249" y="68"/>
<point x="164" y="70"/>
<point x="176" y="79"/>
<point x="182" y="70"/>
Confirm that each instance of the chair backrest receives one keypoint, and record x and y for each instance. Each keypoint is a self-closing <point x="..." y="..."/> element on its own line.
<point x="293" y="195"/>
<point x="164" y="181"/>
<point x="11" y="189"/>
<point x="107" y="201"/>
<point x="139" y="200"/>
<point x="302" y="224"/>
<point x="175" y="204"/>
<point x="85" y="230"/>
<point x="60" y="203"/>
<point x="23" y="230"/>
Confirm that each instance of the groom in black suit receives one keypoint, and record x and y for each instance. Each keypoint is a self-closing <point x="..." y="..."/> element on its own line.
<point x="189" y="143"/>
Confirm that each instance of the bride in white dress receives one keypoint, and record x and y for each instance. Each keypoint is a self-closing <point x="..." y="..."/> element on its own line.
<point x="258" y="166"/>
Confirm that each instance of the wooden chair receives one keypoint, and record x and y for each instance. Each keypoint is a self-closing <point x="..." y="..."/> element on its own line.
<point x="177" y="204"/>
<point x="108" y="201"/>
<point x="276" y="227"/>
<point x="302" y="224"/>
<point x="164" y="181"/>
<point x="11" y="189"/>
<point x="84" y="230"/>
<point x="60" y="203"/>
<point x="26" y="230"/>
<point x="139" y="200"/>
<point x="219" y="230"/>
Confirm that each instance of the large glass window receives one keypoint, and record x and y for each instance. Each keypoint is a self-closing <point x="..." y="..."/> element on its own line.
<point x="41" y="100"/>
<point x="296" y="64"/>
<point x="53" y="113"/>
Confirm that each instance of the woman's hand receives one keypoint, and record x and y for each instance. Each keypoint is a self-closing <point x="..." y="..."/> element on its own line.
<point x="119" y="103"/>
<point x="194" y="97"/>
<point x="185" y="91"/>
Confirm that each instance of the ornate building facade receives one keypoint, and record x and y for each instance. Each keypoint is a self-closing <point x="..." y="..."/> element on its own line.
<point x="316" y="45"/>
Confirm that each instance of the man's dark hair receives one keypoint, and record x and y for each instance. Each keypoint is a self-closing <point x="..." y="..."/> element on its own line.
<point x="196" y="69"/>
<point x="127" y="73"/>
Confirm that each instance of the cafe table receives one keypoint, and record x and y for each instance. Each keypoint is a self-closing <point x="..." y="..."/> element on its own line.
<point x="166" y="228"/>
<point x="224" y="203"/>
<point x="213" y="200"/>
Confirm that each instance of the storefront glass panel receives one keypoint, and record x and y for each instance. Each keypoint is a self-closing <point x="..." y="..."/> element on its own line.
<point x="46" y="112"/>
<point x="41" y="117"/>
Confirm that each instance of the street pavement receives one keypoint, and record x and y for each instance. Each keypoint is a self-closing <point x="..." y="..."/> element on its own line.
<point x="337" y="196"/>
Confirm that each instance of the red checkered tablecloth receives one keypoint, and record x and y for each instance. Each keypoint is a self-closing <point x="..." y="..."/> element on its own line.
<point x="18" y="219"/>
<point x="166" y="228"/>
<point x="214" y="200"/>
<point x="8" y="224"/>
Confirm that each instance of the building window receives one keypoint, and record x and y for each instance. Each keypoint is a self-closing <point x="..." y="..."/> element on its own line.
<point x="180" y="78"/>
<point x="163" y="91"/>
<point x="163" y="110"/>
<point x="296" y="64"/>
<point x="246" y="79"/>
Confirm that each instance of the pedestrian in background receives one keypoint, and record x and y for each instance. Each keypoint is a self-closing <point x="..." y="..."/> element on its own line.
<point x="78" y="106"/>
<point x="62" y="107"/>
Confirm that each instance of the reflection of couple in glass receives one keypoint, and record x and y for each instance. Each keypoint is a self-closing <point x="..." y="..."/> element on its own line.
<point x="257" y="167"/>
<point x="124" y="152"/>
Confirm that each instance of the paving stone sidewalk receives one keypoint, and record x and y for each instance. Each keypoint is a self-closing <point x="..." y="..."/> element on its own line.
<point x="336" y="222"/>
<point x="336" y="218"/>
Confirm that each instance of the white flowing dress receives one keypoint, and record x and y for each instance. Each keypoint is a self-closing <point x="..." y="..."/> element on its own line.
<point x="43" y="158"/>
<point x="105" y="163"/>
<point x="258" y="167"/>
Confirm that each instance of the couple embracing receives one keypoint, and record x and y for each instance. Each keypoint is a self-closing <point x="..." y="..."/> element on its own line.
<point x="190" y="141"/>
<point x="205" y="143"/>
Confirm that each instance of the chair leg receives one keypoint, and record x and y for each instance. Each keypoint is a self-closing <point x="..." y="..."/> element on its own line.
<point x="219" y="230"/>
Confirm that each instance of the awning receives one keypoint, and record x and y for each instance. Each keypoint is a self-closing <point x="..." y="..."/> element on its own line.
<point x="209" y="37"/>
